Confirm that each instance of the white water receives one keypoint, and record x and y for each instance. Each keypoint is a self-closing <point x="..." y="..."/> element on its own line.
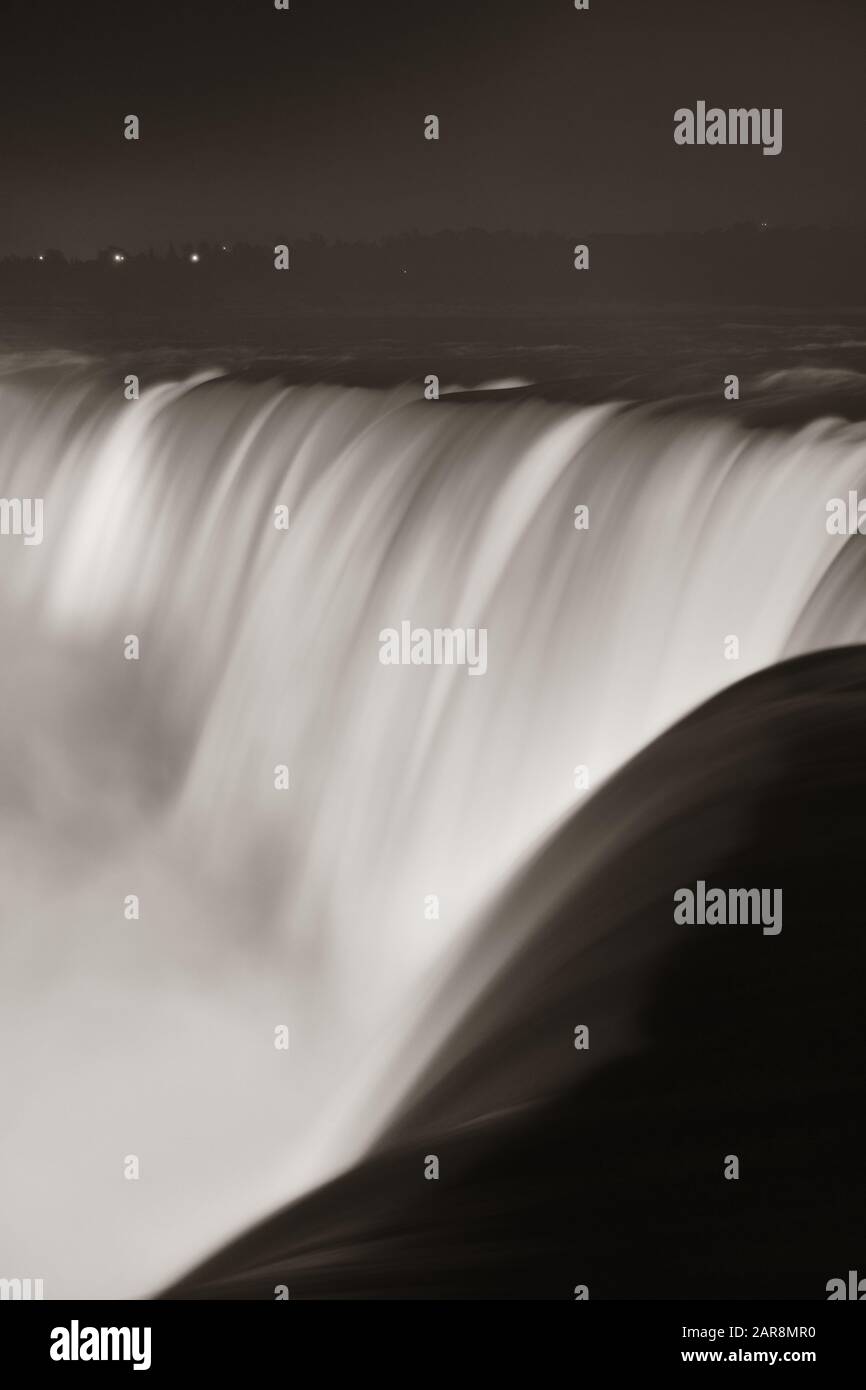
<point x="260" y="647"/>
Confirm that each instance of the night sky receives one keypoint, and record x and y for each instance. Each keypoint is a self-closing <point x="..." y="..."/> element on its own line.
<point x="261" y="125"/>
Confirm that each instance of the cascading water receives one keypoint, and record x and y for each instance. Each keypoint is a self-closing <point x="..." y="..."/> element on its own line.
<point x="260" y="647"/>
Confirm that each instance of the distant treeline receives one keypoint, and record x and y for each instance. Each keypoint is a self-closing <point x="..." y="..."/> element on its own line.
<point x="746" y="263"/>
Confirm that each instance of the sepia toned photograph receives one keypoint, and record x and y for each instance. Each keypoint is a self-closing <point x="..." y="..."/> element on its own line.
<point x="432" y="661"/>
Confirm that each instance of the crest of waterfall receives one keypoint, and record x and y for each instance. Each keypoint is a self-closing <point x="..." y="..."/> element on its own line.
<point x="259" y="648"/>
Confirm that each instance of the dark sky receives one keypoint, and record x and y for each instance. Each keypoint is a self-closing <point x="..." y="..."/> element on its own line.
<point x="263" y="125"/>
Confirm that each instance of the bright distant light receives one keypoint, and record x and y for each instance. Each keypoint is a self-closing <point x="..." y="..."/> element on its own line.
<point x="42" y="258"/>
<point x="225" y="248"/>
<point x="195" y="256"/>
<point x="118" y="256"/>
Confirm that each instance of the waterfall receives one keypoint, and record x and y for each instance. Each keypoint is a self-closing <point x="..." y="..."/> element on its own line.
<point x="259" y="648"/>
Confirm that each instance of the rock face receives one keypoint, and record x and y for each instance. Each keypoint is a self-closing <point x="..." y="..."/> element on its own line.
<point x="610" y="1166"/>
